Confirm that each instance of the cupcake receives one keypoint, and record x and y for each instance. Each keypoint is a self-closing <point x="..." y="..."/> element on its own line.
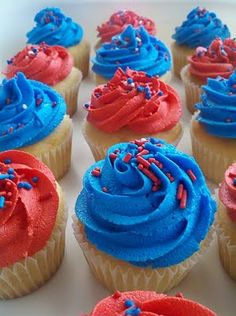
<point x="219" y="59"/>
<point x="144" y="216"/>
<point x="52" y="65"/>
<point x="133" y="48"/>
<point x="226" y="217"/>
<point x="200" y="29"/>
<point x="33" y="119"/>
<point x="131" y="105"/>
<point x="119" y="21"/>
<point x="148" y="303"/>
<point x="54" y="28"/>
<point x="213" y="128"/>
<point x="32" y="224"/>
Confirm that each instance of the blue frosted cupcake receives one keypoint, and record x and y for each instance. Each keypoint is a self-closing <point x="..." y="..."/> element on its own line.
<point x="213" y="129"/>
<point x="54" y="28"/>
<point x="33" y="119"/>
<point x="199" y="29"/>
<point x="144" y="216"/>
<point x="134" y="48"/>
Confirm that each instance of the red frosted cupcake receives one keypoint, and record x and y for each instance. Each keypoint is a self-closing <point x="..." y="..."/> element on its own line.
<point x="52" y="65"/>
<point x="147" y="303"/>
<point x="219" y="59"/>
<point x="119" y="21"/>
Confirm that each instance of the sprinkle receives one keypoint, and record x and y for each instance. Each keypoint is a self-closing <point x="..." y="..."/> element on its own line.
<point x="39" y="101"/>
<point x="24" y="106"/>
<point x="155" y="188"/>
<point x="191" y="175"/>
<point x="133" y="312"/>
<point x="183" y="200"/>
<point x="4" y="176"/>
<point x="86" y="106"/>
<point x="105" y="189"/>
<point x="10" y="171"/>
<point x="35" y="179"/>
<point x="54" y="103"/>
<point x="45" y="196"/>
<point x="160" y="93"/>
<point x="228" y="120"/>
<point x="129" y="80"/>
<point x="234" y="182"/>
<point x="150" y="175"/>
<point x="140" y="166"/>
<point x="180" y="191"/>
<point x="34" y="50"/>
<point x="143" y="161"/>
<point x="9" y="61"/>
<point x="24" y="185"/>
<point x="3" y="193"/>
<point x="127" y="157"/>
<point x="129" y="303"/>
<point x="116" y="295"/>
<point x="2" y="202"/>
<point x="96" y="172"/>
<point x="143" y="152"/>
<point x="140" y="88"/>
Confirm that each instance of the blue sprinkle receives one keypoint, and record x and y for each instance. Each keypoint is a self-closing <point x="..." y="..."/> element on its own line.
<point x="86" y="105"/>
<point x="10" y="171"/>
<point x="130" y="80"/>
<point x="4" y="176"/>
<point x="133" y="312"/>
<point x="34" y="50"/>
<point x="7" y="161"/>
<point x="129" y="303"/>
<point x="35" y="179"/>
<point x="2" y="202"/>
<point x="24" y="185"/>
<point x="234" y="182"/>
<point x="160" y="93"/>
<point x="11" y="176"/>
<point x="140" y="88"/>
<point x="9" y="62"/>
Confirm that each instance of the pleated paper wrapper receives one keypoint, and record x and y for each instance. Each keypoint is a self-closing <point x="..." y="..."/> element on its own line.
<point x="102" y="80"/>
<point x="81" y="56"/>
<point x="180" y="54"/>
<point x="227" y="244"/>
<point x="29" y="274"/>
<point x="213" y="163"/>
<point x="192" y="89"/>
<point x="115" y="274"/>
<point x="99" y="141"/>
<point x="55" y="150"/>
<point x="69" y="89"/>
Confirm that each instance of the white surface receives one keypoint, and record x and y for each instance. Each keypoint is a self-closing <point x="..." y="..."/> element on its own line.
<point x="73" y="289"/>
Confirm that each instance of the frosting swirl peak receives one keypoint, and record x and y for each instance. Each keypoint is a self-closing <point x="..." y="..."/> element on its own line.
<point x="54" y="28"/>
<point x="120" y="20"/>
<point x="218" y="107"/>
<point x="135" y="100"/>
<point x="147" y="204"/>
<point x="48" y="64"/>
<point x="200" y="29"/>
<point x="29" y="111"/>
<point x="133" y="48"/>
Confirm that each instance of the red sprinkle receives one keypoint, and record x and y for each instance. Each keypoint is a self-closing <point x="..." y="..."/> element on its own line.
<point x="143" y="152"/>
<point x="140" y="166"/>
<point x="105" y="189"/>
<point x="183" y="200"/>
<point x="191" y="175"/>
<point x="232" y="175"/>
<point x="180" y="191"/>
<point x="96" y="172"/>
<point x="140" y="148"/>
<point x="117" y="294"/>
<point x="127" y="157"/>
<point x="113" y="156"/>
<point x="143" y="161"/>
<point x="39" y="101"/>
<point x="140" y="142"/>
<point x="150" y="175"/>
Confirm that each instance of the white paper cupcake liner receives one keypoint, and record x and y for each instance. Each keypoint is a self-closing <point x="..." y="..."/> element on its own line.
<point x="212" y="163"/>
<point x="58" y="157"/>
<point x="118" y="275"/>
<point x="29" y="274"/>
<point x="192" y="89"/>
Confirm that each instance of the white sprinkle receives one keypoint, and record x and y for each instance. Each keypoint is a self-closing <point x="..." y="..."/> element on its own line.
<point x="31" y="53"/>
<point x="132" y="84"/>
<point x="24" y="106"/>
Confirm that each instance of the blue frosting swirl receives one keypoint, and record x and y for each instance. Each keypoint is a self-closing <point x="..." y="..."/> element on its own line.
<point x="129" y="216"/>
<point x="200" y="29"/>
<point x="133" y="48"/>
<point x="54" y="28"/>
<point x="29" y="111"/>
<point x="218" y="107"/>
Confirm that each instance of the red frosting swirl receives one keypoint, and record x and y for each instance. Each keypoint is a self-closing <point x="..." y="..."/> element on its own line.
<point x="48" y="64"/>
<point x="119" y="21"/>
<point x="147" y="303"/>
<point x="218" y="60"/>
<point x="227" y="192"/>
<point x="28" y="206"/>
<point x="132" y="99"/>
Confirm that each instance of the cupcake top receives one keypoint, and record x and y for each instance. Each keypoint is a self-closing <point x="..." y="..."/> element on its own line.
<point x="54" y="28"/>
<point x="48" y="64"/>
<point x="218" y="107"/>
<point x="219" y="59"/>
<point x="227" y="192"/>
<point x="28" y="206"/>
<point x="133" y="48"/>
<point x="120" y="20"/>
<point x="144" y="303"/>
<point x="147" y="204"/>
<point x="200" y="29"/>
<point x="29" y="111"/>
<point x="134" y="100"/>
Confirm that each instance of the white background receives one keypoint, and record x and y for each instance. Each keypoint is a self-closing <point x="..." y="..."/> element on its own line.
<point x="73" y="289"/>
